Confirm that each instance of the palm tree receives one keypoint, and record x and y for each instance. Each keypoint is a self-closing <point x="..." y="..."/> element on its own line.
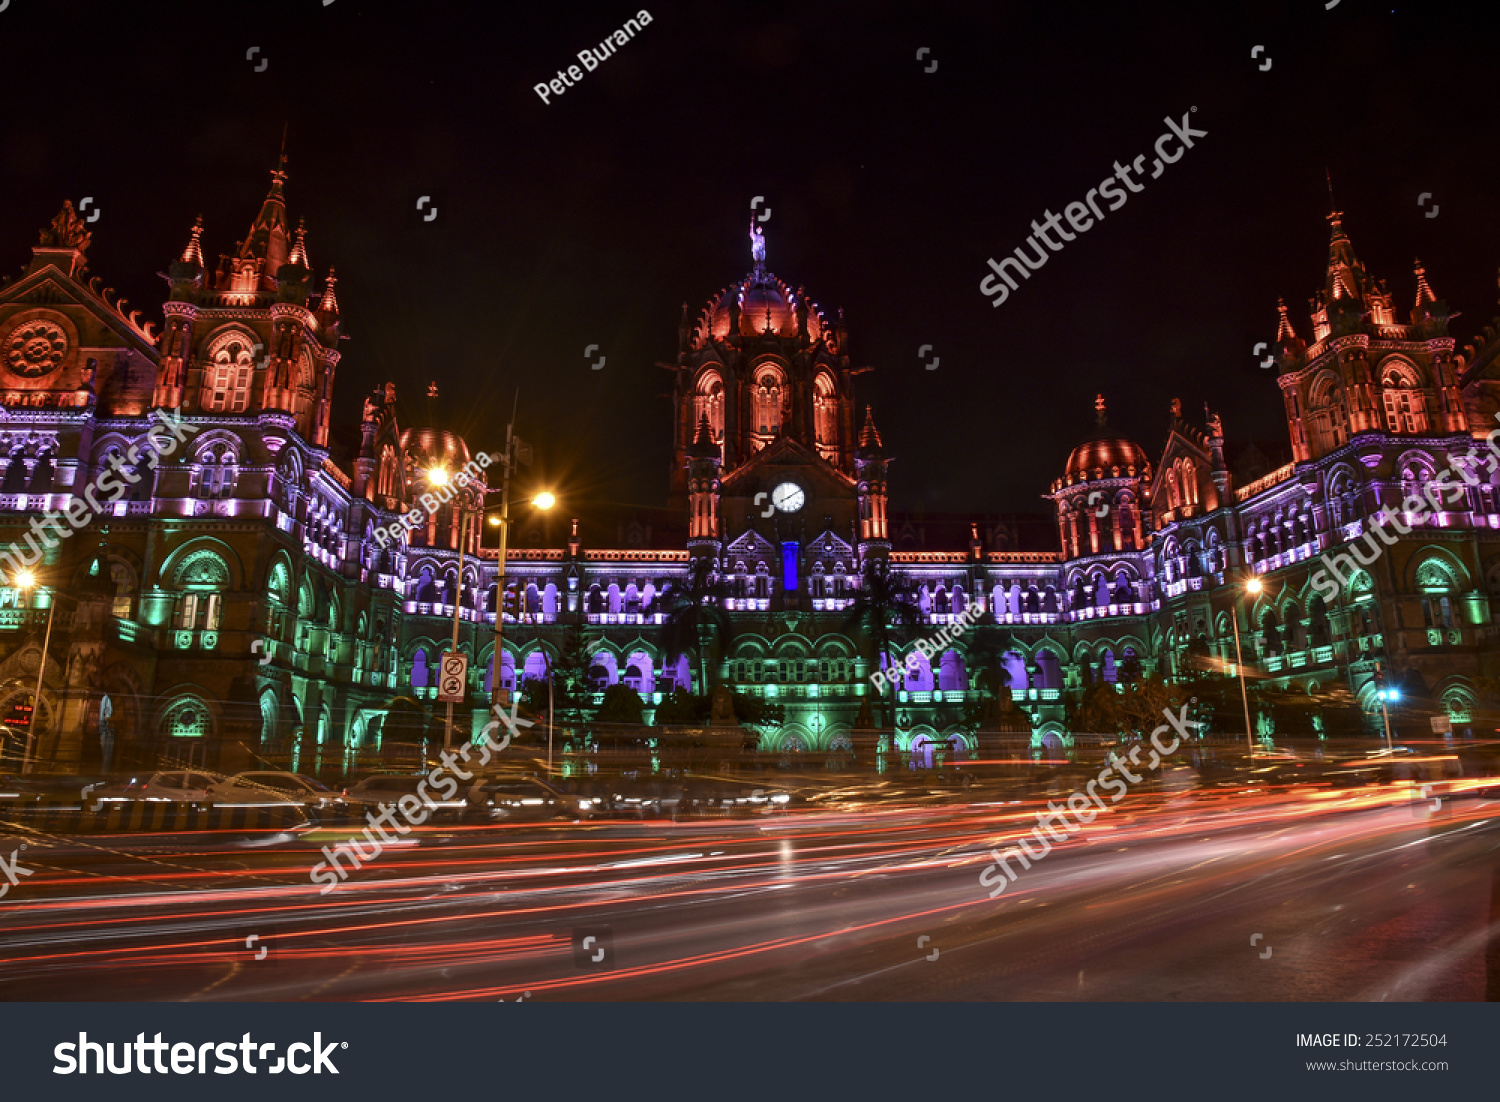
<point x="695" y="618"/>
<point x="885" y="601"/>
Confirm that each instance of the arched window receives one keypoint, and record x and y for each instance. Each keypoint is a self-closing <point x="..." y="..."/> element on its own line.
<point x="227" y="375"/>
<point x="1189" y="483"/>
<point x="1330" y="417"/>
<point x="41" y="474"/>
<point x="825" y="414"/>
<point x="216" y="472"/>
<point x="767" y="402"/>
<point x="1403" y="401"/>
<point x="1271" y="637"/>
<point x="200" y="581"/>
<point x="421" y="674"/>
<point x="124" y="580"/>
<point x="709" y="402"/>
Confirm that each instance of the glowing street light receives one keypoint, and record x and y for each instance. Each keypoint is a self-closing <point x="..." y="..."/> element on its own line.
<point x="544" y="500"/>
<point x="26" y="581"/>
<point x="438" y="476"/>
<point x="1253" y="586"/>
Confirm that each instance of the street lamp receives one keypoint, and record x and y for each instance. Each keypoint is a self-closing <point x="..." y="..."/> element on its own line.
<point x="1253" y="586"/>
<point x="25" y="581"/>
<point x="1385" y="693"/>
<point x="516" y="452"/>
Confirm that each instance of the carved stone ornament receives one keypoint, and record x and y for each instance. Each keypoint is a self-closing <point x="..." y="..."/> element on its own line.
<point x="35" y="348"/>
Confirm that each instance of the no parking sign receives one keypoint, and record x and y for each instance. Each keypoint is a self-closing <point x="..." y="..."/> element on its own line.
<point x="453" y="675"/>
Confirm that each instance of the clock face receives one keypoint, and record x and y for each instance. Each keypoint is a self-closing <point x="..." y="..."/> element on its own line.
<point x="787" y="497"/>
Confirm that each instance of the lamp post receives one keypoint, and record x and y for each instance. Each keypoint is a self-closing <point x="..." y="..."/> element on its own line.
<point x="1252" y="586"/>
<point x="26" y="582"/>
<point x="515" y="452"/>
<point x="1385" y="692"/>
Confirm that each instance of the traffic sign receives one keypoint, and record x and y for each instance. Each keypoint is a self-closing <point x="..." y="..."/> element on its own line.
<point x="453" y="677"/>
<point x="1442" y="725"/>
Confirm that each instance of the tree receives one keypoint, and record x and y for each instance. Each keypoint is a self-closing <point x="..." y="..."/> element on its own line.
<point x="885" y="601"/>
<point x="622" y="704"/>
<point x="1132" y="710"/>
<point x="682" y="709"/>
<point x="568" y="678"/>
<point x="406" y="720"/>
<point x="695" y="619"/>
<point x="986" y="646"/>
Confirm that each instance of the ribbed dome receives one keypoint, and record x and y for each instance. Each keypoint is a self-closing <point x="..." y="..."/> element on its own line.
<point x="428" y="448"/>
<point x="1104" y="454"/>
<point x="762" y="298"/>
<point x="1106" y="458"/>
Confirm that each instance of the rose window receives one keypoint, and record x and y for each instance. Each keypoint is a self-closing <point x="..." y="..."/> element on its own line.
<point x="35" y="348"/>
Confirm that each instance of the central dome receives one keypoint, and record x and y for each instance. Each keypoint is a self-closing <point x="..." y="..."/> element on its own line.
<point x="1105" y="455"/>
<point x="764" y="301"/>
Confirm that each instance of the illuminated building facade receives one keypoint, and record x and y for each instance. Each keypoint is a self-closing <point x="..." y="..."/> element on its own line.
<point x="235" y="603"/>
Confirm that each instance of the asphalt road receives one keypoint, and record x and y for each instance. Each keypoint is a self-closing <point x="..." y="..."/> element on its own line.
<point x="1357" y="895"/>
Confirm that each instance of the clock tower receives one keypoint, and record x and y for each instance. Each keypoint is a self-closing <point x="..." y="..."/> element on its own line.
<point x="767" y="452"/>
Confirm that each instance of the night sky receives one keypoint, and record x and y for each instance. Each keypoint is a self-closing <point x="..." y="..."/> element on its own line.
<point x="592" y="219"/>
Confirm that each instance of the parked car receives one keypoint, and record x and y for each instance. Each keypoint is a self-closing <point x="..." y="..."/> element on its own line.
<point x="265" y="788"/>
<point x="388" y="788"/>
<point x="187" y="786"/>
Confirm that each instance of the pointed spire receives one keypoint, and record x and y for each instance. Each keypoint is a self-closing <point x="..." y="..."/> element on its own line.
<point x="1342" y="263"/>
<point x="869" y="435"/>
<point x="1284" y="330"/>
<point x="299" y="246"/>
<point x="193" y="254"/>
<point x="330" y="302"/>
<point x="705" y="436"/>
<point x="267" y="240"/>
<point x="1424" y="291"/>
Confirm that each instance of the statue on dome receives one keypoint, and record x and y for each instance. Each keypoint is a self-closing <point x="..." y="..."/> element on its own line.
<point x="1177" y="408"/>
<point x="757" y="244"/>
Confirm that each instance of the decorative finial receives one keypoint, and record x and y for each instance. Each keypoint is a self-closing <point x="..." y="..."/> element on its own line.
<point x="432" y="390"/>
<point x="299" y="245"/>
<point x="1424" y="291"/>
<point x="1099" y="410"/>
<point x="1284" y="330"/>
<point x="330" y="302"/>
<point x="1177" y="409"/>
<point x="193" y="254"/>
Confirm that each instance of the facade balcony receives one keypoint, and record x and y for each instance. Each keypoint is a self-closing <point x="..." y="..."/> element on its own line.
<point x="606" y="617"/>
<point x="1100" y="612"/>
<point x="747" y="604"/>
<point x="1028" y="617"/>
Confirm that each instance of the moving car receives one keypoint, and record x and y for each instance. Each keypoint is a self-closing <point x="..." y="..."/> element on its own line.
<point x="513" y="799"/>
<point x="388" y="788"/>
<point x="269" y="787"/>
